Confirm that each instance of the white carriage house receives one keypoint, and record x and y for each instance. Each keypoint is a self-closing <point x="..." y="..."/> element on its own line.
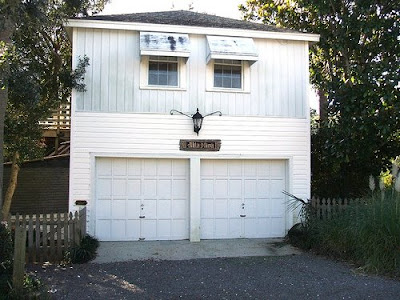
<point x="144" y="172"/>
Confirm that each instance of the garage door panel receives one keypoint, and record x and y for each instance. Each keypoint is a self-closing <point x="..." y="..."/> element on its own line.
<point x="150" y="208"/>
<point x="103" y="229"/>
<point x="262" y="207"/>
<point x="179" y="228"/>
<point x="180" y="188"/>
<point x="277" y="208"/>
<point x="207" y="229"/>
<point x="164" y="209"/>
<point x="132" y="209"/>
<point x="164" y="188"/>
<point x="235" y="169"/>
<point x="118" y="209"/>
<point x="262" y="188"/>
<point x="180" y="168"/>
<point x="250" y="168"/>
<point x="149" y="188"/>
<point x="221" y="168"/>
<point x="118" y="229"/>
<point x="207" y="208"/>
<point x="164" y="168"/>
<point x="276" y="188"/>
<point x="134" y="188"/>
<point x="221" y="227"/>
<point x="221" y="188"/>
<point x="235" y="208"/>
<point x="221" y="208"/>
<point x="163" y="229"/>
<point x="119" y="187"/>
<point x="207" y="188"/>
<point x="276" y="227"/>
<point x="235" y="228"/>
<point x="179" y="209"/>
<point x="235" y="188"/>
<point x="148" y="229"/>
<point x="134" y="167"/>
<point x="119" y="167"/>
<point x="250" y="188"/>
<point x="150" y="167"/>
<point x="263" y="169"/>
<point x="104" y="187"/>
<point x="133" y="229"/>
<point x="277" y="169"/>
<point x="104" y="167"/>
<point x="103" y="209"/>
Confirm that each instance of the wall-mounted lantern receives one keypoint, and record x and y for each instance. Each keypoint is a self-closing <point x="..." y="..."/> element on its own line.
<point x="197" y="118"/>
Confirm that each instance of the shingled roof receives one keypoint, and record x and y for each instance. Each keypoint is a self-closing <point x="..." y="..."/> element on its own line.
<point x="187" y="18"/>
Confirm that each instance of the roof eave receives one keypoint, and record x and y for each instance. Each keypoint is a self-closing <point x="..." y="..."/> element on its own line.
<point x="101" y="24"/>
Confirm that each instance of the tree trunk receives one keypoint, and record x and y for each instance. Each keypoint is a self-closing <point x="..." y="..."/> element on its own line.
<point x="323" y="106"/>
<point x="11" y="186"/>
<point x="5" y="36"/>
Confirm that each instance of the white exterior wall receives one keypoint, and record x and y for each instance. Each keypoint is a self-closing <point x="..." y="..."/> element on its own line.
<point x="278" y="79"/>
<point x="155" y="135"/>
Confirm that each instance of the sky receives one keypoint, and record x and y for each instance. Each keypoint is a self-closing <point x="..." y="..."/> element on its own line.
<point x="223" y="8"/>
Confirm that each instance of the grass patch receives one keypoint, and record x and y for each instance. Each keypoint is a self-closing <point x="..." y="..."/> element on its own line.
<point x="366" y="233"/>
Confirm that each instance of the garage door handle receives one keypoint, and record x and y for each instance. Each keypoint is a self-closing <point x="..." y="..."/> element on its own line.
<point x="142" y="217"/>
<point x="242" y="216"/>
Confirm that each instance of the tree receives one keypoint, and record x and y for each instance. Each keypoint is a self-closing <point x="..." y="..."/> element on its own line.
<point x="37" y="75"/>
<point x="355" y="67"/>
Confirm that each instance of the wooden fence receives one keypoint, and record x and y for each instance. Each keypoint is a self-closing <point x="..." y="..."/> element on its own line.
<point x="326" y="207"/>
<point x="48" y="236"/>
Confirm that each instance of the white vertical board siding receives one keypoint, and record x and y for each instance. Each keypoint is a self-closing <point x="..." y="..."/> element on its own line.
<point x="157" y="136"/>
<point x="278" y="79"/>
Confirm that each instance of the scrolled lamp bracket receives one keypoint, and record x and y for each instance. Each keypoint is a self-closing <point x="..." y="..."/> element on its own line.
<point x="197" y="118"/>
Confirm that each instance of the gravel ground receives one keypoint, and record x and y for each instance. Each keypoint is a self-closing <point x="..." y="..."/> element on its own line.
<point x="287" y="277"/>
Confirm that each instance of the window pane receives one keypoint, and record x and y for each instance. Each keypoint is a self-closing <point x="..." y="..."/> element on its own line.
<point x="228" y="75"/>
<point x="173" y="78"/>
<point x="162" y="71"/>
<point x="163" y="79"/>
<point x="217" y="80"/>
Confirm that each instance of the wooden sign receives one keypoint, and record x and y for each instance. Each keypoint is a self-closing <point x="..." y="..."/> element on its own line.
<point x="199" y="145"/>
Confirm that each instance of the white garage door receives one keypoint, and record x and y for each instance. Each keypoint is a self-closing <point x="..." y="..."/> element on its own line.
<point x="242" y="199"/>
<point x="140" y="199"/>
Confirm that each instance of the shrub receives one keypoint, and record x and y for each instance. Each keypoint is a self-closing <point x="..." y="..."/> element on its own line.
<point x="83" y="253"/>
<point x="366" y="232"/>
<point x="6" y="258"/>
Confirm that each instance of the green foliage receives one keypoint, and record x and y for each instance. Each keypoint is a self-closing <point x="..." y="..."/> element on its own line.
<point x="83" y="253"/>
<point x="356" y="65"/>
<point x="6" y="258"/>
<point x="366" y="233"/>
<point x="40" y="76"/>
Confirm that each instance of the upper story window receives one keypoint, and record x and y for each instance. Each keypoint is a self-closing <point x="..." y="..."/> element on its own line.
<point x="163" y="58"/>
<point x="163" y="71"/>
<point x="228" y="63"/>
<point x="228" y="74"/>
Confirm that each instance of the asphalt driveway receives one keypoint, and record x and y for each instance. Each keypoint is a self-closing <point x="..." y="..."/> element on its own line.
<point x="301" y="276"/>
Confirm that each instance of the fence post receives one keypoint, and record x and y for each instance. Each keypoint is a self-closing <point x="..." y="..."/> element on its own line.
<point x="19" y="258"/>
<point x="82" y="220"/>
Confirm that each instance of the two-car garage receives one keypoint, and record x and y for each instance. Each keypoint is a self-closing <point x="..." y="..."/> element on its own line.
<point x="149" y="198"/>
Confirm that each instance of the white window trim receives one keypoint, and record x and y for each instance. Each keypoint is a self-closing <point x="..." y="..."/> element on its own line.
<point x="245" y="79"/>
<point x="144" y="76"/>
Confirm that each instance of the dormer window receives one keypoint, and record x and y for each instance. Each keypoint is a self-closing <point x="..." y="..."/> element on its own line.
<point x="228" y="63"/>
<point x="163" y="71"/>
<point x="228" y="73"/>
<point x="163" y="59"/>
